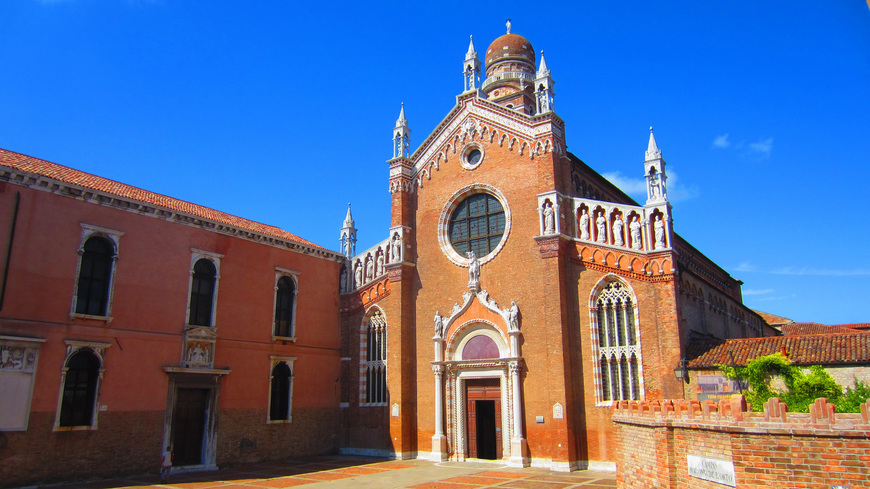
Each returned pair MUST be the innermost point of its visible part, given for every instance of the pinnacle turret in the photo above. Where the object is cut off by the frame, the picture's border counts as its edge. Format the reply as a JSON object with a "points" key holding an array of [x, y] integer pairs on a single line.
{"points": [[348, 235], [654, 168], [401, 136]]}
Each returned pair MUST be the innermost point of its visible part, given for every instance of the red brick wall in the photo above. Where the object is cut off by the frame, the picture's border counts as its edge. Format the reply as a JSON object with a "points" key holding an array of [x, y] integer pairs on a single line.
{"points": [[767, 450]]}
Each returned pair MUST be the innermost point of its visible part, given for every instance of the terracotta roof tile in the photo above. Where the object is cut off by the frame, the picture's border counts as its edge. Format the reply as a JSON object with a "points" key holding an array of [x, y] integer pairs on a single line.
{"points": [[821, 349], [72, 176], [815, 328]]}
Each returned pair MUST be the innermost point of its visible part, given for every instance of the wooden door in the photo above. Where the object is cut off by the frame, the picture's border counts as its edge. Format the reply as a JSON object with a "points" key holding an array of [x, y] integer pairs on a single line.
{"points": [[188, 425], [483, 418]]}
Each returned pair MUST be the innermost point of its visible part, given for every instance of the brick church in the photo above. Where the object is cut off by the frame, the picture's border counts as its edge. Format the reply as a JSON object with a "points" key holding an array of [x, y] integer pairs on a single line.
{"points": [[516, 296]]}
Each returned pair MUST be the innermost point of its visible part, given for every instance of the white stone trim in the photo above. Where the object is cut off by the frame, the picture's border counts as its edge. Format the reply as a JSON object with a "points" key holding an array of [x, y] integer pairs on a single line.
{"points": [[114, 237], [447, 212], [18, 360], [463, 157], [98, 348], [294, 276], [215, 259], [274, 360]]}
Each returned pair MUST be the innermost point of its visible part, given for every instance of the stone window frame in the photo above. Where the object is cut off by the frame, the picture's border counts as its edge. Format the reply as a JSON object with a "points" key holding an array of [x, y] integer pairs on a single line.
{"points": [[215, 259], [25, 366], [114, 238], [458, 197], [628, 350], [294, 276], [463, 156], [366, 364], [98, 349], [274, 361]]}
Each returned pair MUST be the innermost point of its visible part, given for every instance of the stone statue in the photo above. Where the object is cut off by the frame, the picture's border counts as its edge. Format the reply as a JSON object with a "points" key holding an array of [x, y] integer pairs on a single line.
{"points": [[439, 324], [369, 268], [379, 269], [636, 240], [513, 317], [617, 231], [660, 232], [343, 279], [549, 220], [358, 275], [397, 248], [473, 271], [601, 222], [584, 225]]}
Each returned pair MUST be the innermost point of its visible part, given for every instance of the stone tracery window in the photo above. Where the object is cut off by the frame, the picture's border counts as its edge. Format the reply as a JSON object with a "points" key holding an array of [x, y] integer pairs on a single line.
{"points": [[375, 365], [477, 224], [618, 345]]}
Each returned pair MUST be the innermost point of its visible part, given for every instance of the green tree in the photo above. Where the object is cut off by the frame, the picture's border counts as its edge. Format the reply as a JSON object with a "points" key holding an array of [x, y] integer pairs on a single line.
{"points": [[801, 388]]}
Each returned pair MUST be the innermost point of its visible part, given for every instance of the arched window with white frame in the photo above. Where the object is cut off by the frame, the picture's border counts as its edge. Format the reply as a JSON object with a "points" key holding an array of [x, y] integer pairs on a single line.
{"points": [[616, 342], [373, 356]]}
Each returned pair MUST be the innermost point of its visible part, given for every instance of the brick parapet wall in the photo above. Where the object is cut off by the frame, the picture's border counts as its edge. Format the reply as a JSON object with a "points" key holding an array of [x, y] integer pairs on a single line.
{"points": [[812, 450]]}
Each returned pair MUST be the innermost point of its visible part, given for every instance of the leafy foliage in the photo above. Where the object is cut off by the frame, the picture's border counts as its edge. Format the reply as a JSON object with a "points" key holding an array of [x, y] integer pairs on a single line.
{"points": [[801, 388]]}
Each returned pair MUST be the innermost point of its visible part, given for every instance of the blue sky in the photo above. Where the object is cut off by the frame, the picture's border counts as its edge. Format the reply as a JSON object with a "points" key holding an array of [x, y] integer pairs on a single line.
{"points": [[282, 112]]}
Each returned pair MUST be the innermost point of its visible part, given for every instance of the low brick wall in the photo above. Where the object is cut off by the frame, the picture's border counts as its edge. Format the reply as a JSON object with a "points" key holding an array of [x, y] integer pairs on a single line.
{"points": [[660, 442]]}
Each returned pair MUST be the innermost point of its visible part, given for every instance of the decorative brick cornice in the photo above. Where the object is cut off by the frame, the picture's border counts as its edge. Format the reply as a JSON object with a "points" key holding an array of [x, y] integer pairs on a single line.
{"points": [[549, 247], [363, 298]]}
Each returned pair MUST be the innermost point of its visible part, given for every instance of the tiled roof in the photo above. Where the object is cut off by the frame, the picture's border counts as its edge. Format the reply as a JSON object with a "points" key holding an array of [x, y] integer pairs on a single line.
{"points": [[72, 176], [815, 328], [773, 319], [826, 349]]}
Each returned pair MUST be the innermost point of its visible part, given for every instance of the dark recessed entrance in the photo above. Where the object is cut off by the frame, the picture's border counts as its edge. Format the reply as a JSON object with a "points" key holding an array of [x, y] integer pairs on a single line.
{"points": [[188, 425], [483, 414]]}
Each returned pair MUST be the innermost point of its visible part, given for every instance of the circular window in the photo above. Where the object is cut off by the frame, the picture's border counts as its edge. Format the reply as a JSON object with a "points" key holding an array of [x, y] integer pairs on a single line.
{"points": [[476, 219], [472, 156]]}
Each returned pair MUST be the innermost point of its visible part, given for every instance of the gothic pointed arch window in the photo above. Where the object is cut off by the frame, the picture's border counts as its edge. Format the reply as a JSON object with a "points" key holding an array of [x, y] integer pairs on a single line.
{"points": [[374, 360], [616, 340]]}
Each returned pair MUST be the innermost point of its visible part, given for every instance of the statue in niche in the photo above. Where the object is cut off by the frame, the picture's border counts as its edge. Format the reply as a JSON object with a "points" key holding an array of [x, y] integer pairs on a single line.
{"points": [[358, 277], [473, 271], [439, 324], [513, 317], [343, 279], [549, 219], [617, 230], [660, 232], [601, 223], [654, 184], [369, 268], [635, 233], [584, 225], [397, 248], [379, 269]]}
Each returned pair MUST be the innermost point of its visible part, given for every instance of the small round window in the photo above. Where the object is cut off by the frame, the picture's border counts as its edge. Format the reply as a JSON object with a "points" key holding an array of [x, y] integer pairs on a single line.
{"points": [[477, 224], [472, 156]]}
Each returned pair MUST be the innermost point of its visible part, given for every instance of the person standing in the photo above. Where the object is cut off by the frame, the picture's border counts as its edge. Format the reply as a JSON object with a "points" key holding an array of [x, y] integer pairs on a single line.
{"points": [[166, 465]]}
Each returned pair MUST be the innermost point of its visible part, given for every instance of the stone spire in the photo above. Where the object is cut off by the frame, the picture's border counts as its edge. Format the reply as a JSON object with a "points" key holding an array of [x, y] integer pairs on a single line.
{"points": [[348, 235], [654, 169], [401, 136], [544, 93], [471, 68]]}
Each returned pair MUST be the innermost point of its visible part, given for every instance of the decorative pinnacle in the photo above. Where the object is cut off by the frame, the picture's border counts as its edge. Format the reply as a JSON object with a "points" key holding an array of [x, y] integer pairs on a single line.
{"points": [[652, 152], [348, 221], [402, 121], [472, 53], [508, 24], [543, 70]]}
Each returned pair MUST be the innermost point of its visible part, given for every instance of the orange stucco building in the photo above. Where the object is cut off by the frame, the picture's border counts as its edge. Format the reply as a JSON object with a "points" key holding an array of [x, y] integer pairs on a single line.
{"points": [[516, 297]]}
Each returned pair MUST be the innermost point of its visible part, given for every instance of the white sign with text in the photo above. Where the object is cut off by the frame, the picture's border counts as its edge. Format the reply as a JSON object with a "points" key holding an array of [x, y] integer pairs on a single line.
{"points": [[712, 469]]}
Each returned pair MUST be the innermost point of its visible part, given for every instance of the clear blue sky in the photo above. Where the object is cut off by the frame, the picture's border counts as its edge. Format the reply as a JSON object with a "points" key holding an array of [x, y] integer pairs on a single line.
{"points": [[282, 112]]}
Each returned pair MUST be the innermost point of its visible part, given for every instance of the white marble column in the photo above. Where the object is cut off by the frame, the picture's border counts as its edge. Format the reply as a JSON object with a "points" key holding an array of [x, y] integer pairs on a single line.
{"points": [[519, 447], [439, 441]]}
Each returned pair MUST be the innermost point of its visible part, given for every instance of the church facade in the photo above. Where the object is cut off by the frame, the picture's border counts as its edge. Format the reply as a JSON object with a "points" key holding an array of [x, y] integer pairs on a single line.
{"points": [[516, 298], [519, 295]]}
